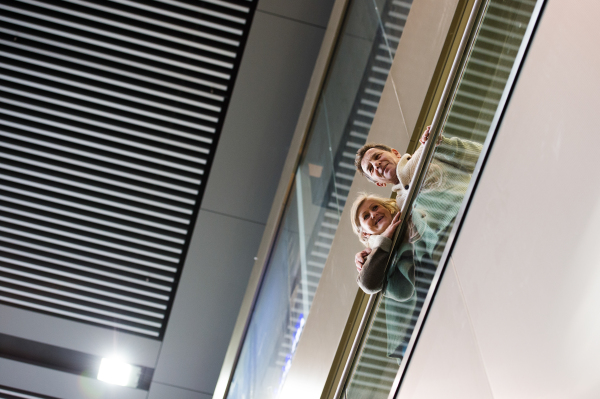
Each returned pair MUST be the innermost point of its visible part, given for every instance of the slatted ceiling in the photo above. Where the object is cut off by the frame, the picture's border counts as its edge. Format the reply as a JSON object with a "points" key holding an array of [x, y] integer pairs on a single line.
{"points": [[110, 116], [127, 33], [13, 393]]}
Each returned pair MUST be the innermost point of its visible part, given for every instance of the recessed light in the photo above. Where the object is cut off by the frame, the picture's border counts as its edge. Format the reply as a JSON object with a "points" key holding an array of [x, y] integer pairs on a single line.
{"points": [[115, 371]]}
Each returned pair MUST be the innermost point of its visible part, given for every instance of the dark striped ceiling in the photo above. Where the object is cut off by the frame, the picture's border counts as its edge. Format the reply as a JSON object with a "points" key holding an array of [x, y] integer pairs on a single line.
{"points": [[109, 119]]}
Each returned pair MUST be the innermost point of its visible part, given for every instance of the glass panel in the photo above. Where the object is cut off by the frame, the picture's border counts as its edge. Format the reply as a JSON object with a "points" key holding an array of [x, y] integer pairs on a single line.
{"points": [[343, 117], [414, 261]]}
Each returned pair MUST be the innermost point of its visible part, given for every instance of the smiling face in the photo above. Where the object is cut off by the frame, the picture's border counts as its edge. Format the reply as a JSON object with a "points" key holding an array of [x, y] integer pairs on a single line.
{"points": [[380, 166], [373, 217]]}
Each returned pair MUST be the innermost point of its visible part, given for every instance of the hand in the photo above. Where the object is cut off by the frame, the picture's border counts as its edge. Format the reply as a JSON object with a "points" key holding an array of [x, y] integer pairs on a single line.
{"points": [[361, 257], [425, 136], [389, 232]]}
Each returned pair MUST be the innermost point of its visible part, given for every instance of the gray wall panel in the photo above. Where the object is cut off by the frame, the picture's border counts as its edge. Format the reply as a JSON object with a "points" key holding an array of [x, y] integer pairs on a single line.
{"points": [[161, 391], [210, 292], [276, 68], [314, 12]]}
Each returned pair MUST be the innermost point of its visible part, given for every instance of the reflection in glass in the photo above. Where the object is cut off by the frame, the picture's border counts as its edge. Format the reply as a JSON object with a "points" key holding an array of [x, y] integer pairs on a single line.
{"points": [[342, 119], [467, 123]]}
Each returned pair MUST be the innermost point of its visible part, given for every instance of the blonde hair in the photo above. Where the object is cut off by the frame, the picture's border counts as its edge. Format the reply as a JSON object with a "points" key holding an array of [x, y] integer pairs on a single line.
{"points": [[388, 203]]}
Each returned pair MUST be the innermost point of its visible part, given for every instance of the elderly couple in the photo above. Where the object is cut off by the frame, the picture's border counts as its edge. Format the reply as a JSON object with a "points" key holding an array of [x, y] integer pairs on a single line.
{"points": [[375, 219]]}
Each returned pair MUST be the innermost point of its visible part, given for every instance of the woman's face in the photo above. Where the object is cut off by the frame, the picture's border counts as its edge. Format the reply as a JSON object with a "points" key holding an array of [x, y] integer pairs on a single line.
{"points": [[374, 218]]}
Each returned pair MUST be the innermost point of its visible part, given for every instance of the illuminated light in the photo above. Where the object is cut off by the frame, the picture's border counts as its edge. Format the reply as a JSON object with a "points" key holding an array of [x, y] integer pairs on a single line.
{"points": [[117, 372]]}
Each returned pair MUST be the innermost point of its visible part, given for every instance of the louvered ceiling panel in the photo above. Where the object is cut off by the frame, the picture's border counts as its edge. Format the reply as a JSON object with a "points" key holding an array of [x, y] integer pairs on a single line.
{"points": [[13, 393], [111, 111]]}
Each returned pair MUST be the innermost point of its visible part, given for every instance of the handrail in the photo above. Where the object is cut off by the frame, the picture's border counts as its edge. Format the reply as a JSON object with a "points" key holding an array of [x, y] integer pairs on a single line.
{"points": [[355, 345], [427, 154], [416, 181]]}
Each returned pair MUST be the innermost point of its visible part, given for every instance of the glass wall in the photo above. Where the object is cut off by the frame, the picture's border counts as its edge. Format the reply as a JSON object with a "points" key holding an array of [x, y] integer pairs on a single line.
{"points": [[468, 118], [350, 96]]}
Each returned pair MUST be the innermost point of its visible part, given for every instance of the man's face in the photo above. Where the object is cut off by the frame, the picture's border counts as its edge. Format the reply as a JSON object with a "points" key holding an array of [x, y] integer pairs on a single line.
{"points": [[380, 166]]}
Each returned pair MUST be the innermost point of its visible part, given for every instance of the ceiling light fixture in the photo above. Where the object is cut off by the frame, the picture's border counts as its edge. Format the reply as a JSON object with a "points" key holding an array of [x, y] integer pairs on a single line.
{"points": [[115, 371]]}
